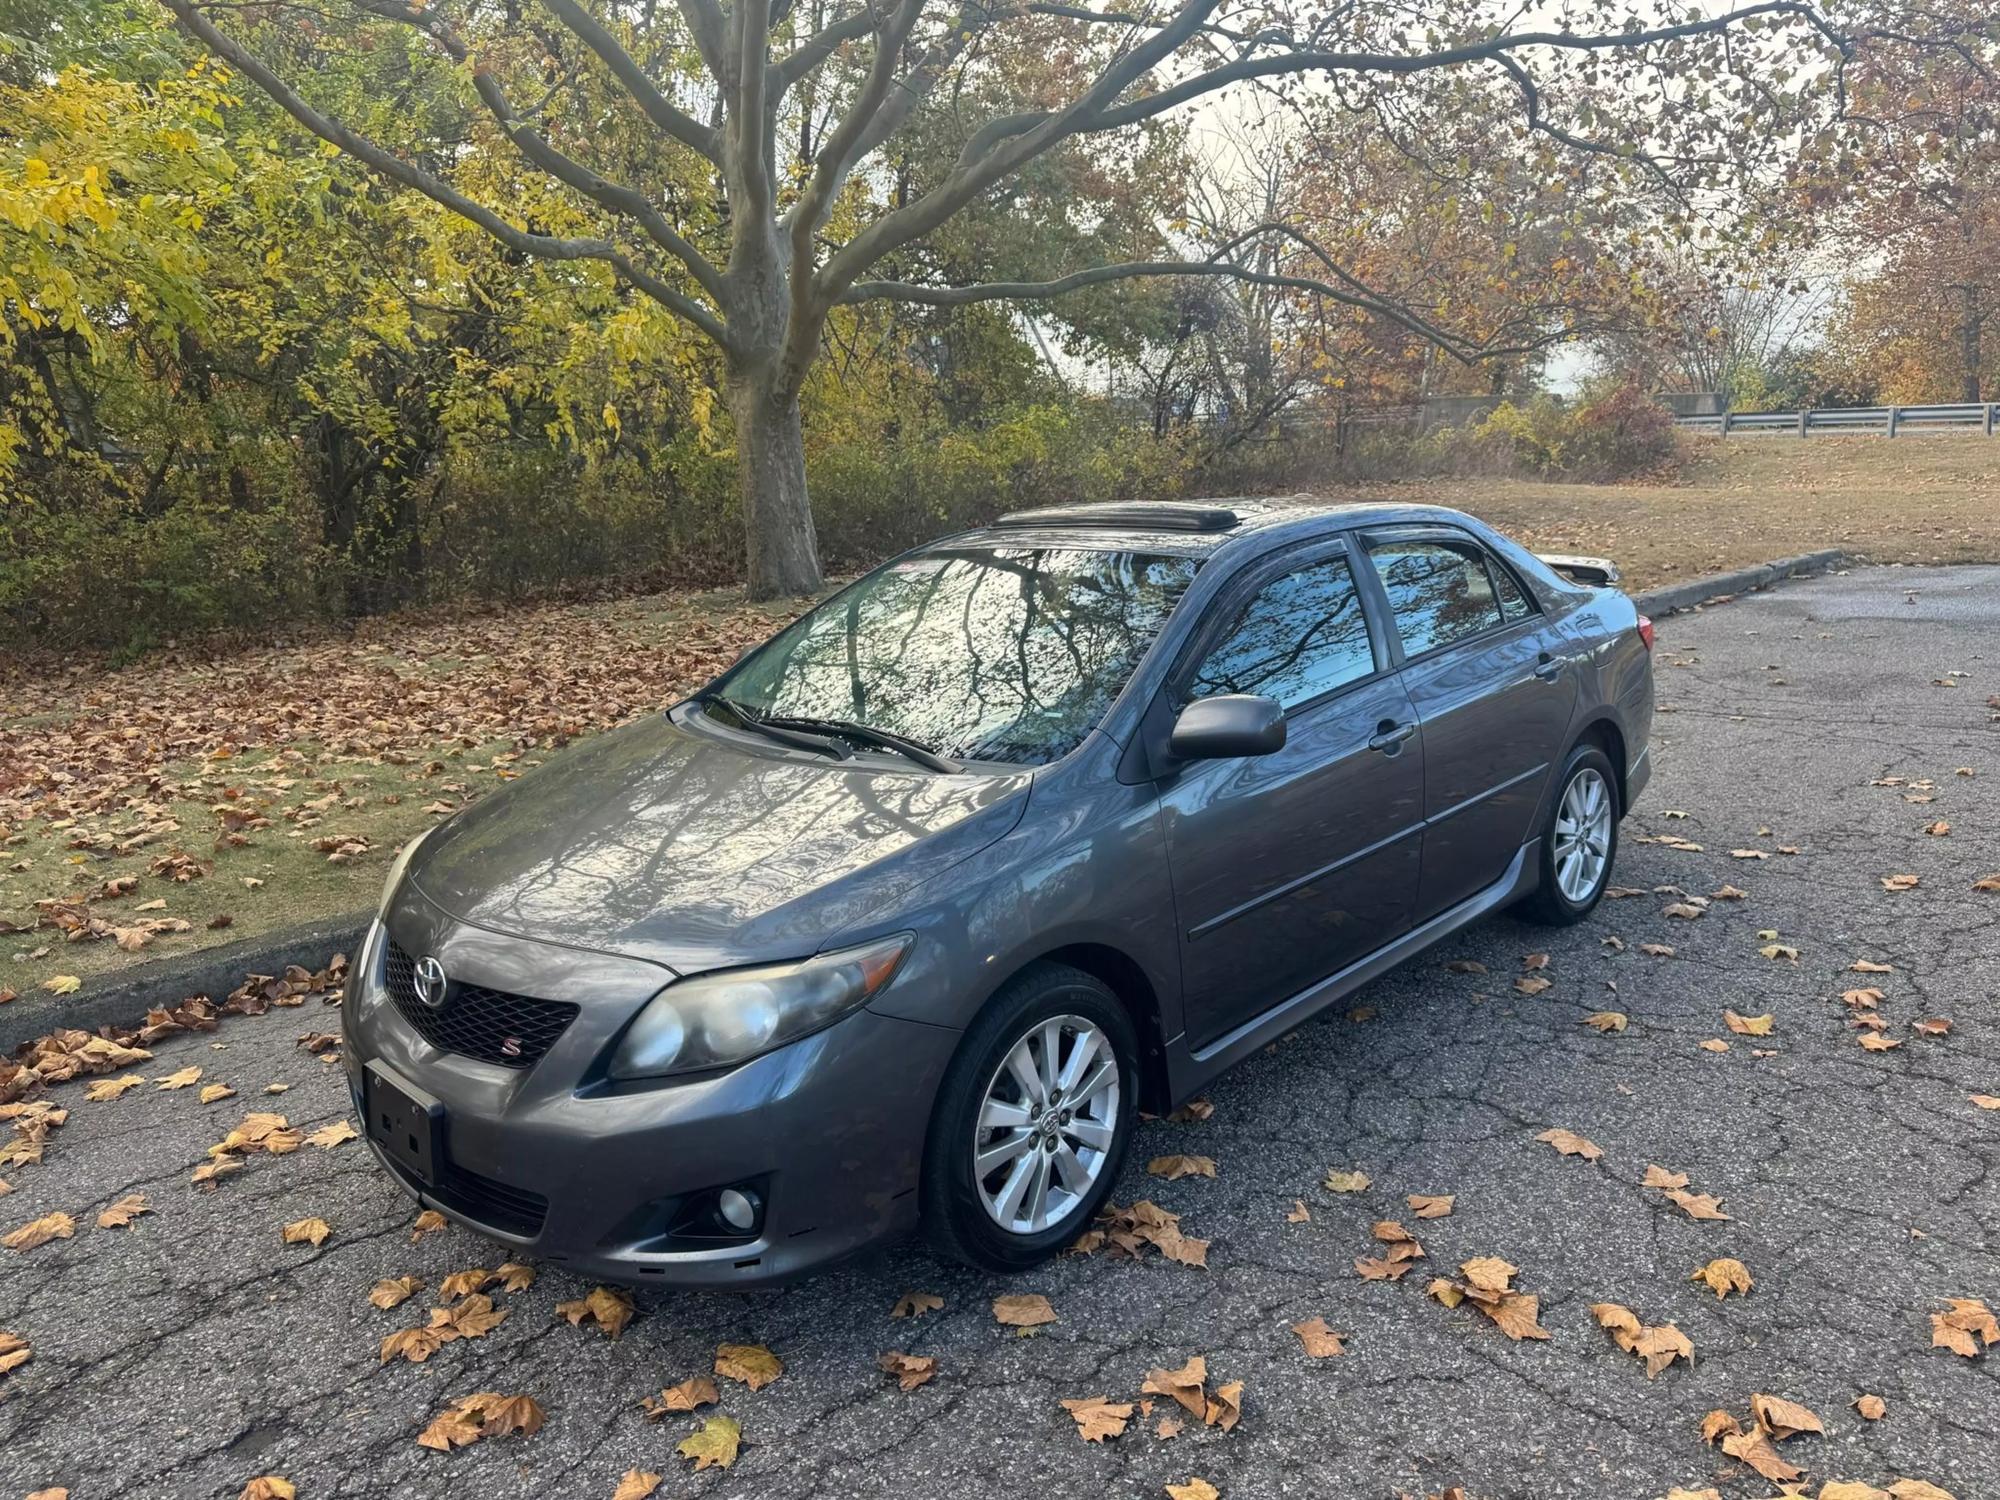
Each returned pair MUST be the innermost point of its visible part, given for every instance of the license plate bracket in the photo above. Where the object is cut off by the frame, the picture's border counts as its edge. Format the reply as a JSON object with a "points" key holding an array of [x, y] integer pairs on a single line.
{"points": [[406, 1123]]}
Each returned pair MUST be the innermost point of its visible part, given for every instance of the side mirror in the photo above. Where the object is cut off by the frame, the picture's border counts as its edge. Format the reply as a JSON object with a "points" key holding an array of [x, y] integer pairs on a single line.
{"points": [[1228, 726]]}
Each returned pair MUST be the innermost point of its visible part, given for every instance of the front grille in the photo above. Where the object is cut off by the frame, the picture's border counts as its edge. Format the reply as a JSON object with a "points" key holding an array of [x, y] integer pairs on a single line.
{"points": [[510, 1210], [490, 1025]]}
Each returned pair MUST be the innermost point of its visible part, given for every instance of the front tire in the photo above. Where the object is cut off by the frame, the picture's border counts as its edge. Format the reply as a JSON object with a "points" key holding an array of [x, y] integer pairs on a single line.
{"points": [[1579, 841], [1032, 1121]]}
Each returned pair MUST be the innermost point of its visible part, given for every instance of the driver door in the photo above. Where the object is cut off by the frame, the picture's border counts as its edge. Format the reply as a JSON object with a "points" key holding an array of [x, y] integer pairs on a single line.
{"points": [[1290, 866]]}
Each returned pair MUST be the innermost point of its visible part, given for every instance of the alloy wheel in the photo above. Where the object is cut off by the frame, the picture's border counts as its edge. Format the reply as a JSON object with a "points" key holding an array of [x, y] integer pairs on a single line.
{"points": [[1583, 835], [1047, 1121]]}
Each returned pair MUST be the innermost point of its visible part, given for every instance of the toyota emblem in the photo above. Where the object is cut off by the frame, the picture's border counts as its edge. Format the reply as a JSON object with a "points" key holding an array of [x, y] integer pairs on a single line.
{"points": [[432, 985]]}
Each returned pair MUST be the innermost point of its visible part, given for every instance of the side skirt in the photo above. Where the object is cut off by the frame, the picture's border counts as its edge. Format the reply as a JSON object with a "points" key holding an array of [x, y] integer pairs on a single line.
{"points": [[1187, 1070]]}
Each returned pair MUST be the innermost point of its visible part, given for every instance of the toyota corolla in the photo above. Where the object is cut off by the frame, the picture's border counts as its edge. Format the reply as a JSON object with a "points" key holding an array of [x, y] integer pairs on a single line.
{"points": [[904, 918]]}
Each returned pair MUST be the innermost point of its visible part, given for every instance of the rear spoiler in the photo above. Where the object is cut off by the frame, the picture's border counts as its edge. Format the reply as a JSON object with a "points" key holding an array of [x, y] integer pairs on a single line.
{"points": [[1599, 572]]}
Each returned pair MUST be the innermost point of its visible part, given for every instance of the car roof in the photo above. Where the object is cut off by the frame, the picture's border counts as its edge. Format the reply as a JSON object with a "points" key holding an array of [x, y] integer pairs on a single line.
{"points": [[1195, 528]]}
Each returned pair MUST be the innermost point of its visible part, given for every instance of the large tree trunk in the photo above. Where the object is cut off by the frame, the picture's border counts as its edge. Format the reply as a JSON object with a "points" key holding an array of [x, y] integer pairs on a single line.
{"points": [[771, 468]]}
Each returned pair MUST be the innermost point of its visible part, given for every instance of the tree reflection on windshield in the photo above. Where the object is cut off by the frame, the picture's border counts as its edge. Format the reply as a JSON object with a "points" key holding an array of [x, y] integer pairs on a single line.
{"points": [[989, 653]]}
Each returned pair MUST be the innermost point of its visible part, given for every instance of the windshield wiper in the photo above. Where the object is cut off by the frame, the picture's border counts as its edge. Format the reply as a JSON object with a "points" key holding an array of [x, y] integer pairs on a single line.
{"points": [[784, 734], [868, 734]]}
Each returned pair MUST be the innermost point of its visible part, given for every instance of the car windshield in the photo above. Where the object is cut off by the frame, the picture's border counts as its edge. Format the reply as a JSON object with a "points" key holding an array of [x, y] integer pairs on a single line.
{"points": [[979, 653]]}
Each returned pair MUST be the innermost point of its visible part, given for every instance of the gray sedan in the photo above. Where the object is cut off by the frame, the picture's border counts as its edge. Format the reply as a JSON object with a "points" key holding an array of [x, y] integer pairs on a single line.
{"points": [[903, 918]]}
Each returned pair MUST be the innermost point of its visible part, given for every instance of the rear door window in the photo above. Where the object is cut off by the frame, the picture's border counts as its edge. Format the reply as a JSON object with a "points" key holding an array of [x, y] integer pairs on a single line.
{"points": [[1439, 591]]}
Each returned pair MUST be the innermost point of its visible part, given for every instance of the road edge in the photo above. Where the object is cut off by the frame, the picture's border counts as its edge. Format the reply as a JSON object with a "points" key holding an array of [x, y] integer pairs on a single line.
{"points": [[124, 997], [1675, 597]]}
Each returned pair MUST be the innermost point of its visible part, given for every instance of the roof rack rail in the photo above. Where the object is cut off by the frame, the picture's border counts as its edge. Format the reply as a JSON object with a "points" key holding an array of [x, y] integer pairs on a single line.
{"points": [[1161, 515]]}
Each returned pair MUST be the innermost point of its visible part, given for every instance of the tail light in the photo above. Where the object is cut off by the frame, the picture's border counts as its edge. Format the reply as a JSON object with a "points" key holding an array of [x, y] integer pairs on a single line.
{"points": [[1646, 631]]}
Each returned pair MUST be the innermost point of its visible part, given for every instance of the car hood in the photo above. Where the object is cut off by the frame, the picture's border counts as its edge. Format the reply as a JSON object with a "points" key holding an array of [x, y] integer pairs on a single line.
{"points": [[693, 849]]}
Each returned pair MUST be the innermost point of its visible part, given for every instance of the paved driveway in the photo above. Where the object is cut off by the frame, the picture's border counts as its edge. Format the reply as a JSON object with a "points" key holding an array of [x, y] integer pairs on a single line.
{"points": [[193, 1350]]}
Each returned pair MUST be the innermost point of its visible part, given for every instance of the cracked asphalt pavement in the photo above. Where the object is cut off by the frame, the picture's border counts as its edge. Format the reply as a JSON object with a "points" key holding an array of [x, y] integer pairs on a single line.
{"points": [[187, 1353]]}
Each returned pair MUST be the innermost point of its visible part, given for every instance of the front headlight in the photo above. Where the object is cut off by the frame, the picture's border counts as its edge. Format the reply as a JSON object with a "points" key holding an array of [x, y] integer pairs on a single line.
{"points": [[396, 868], [714, 1020]]}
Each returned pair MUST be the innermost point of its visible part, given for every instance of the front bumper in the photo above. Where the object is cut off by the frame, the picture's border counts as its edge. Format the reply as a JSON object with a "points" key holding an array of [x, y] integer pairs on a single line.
{"points": [[830, 1129]]}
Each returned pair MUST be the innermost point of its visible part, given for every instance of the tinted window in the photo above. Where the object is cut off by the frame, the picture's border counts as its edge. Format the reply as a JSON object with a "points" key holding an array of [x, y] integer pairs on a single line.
{"points": [[1440, 592], [1299, 636], [1513, 603], [994, 653]]}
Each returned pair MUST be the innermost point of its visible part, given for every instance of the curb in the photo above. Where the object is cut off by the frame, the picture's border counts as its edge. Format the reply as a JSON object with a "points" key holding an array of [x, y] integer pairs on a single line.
{"points": [[1679, 596], [124, 997]]}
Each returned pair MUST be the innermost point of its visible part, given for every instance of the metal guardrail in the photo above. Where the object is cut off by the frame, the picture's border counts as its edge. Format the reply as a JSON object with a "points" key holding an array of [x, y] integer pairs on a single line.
{"points": [[1888, 421]]}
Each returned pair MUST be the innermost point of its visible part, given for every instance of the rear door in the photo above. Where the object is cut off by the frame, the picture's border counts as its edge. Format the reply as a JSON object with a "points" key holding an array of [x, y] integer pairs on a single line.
{"points": [[1493, 690], [1287, 867]]}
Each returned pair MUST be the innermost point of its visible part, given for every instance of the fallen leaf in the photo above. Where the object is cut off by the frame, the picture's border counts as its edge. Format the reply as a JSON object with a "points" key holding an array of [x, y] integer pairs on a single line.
{"points": [[487, 1414], [1320, 1341], [1724, 1276], [182, 1079], [1902, 1489], [515, 1277], [1658, 1346], [1569, 1143], [1900, 882], [1187, 1385], [715, 1445], [1748, 1025], [1967, 1327], [1175, 1167], [611, 1308], [1936, 1026], [752, 1364], [1748, 854], [393, 1291], [1875, 1042], [1872, 1408], [1939, 829], [1466, 966], [1607, 1020], [307, 1232], [910, 1370], [1657, 950], [1535, 961], [269, 1487], [1714, 1044], [1754, 1448], [121, 1214], [1869, 966], [1780, 950], [103, 1089], [1300, 1214], [1727, 892], [636, 1484], [56, 1226], [1660, 1177], [427, 1222], [1782, 1418], [695, 1391], [1346, 1182], [1683, 911], [1193, 1111], [1194, 1489], [62, 984], [14, 1352], [1023, 1310], [1532, 984], [1225, 1407], [1098, 1417], [1985, 1101], [329, 1136], [1428, 1206], [1516, 1314], [1866, 999], [1716, 1424], [1698, 1205], [212, 1093], [916, 1304]]}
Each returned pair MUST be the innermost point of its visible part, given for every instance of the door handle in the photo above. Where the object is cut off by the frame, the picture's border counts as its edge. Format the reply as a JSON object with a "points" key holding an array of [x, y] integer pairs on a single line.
{"points": [[1389, 736], [1549, 668]]}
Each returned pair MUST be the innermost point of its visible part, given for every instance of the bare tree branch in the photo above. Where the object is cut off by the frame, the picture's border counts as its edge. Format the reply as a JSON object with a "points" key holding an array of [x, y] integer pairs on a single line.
{"points": [[661, 110], [409, 175], [532, 144], [816, 49]]}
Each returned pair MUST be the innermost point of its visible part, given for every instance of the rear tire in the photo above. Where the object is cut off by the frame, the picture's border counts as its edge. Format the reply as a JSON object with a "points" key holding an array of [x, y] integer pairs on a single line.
{"points": [[1032, 1121], [1579, 841]]}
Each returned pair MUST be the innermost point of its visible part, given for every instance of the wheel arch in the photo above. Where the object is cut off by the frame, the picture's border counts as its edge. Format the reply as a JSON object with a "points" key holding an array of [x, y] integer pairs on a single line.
{"points": [[1120, 973], [1603, 732]]}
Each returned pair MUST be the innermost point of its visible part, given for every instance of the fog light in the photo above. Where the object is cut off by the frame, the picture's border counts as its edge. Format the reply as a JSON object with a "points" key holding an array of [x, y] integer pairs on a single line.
{"points": [[738, 1208]]}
